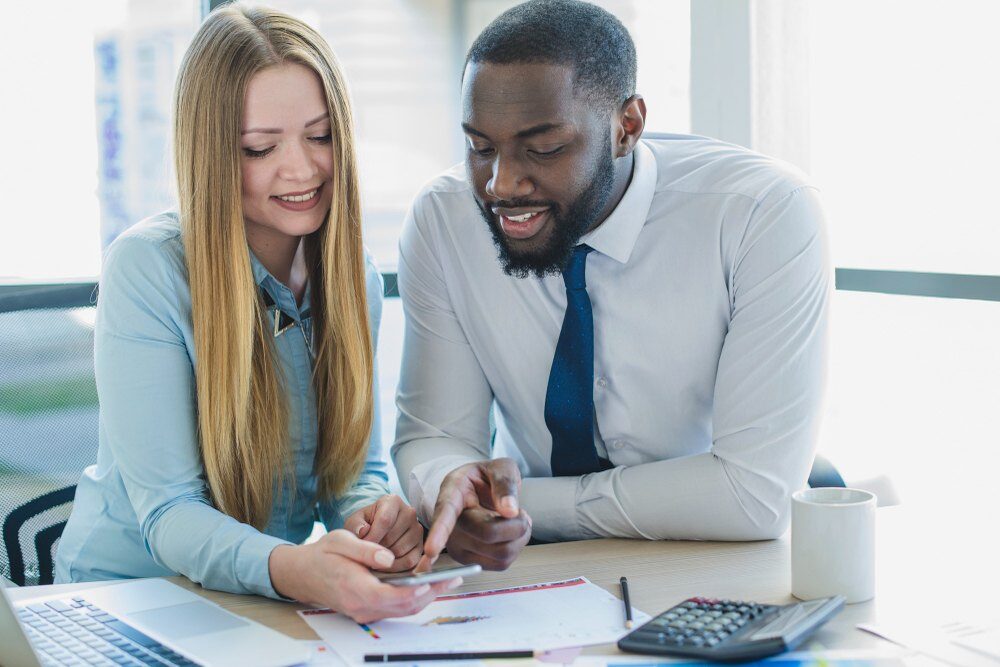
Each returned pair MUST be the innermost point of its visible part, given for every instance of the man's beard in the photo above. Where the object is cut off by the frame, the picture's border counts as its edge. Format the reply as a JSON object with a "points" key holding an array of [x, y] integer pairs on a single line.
{"points": [[567, 226]]}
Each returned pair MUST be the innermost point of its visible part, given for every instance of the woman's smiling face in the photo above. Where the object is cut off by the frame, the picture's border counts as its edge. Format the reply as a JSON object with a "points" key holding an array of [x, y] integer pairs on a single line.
{"points": [[287, 159]]}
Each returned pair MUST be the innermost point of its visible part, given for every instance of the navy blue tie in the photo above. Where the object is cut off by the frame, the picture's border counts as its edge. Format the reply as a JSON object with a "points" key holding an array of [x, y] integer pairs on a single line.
{"points": [[569, 400]]}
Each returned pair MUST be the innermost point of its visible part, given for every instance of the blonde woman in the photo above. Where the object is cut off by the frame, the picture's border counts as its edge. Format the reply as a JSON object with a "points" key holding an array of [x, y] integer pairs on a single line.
{"points": [[235, 348]]}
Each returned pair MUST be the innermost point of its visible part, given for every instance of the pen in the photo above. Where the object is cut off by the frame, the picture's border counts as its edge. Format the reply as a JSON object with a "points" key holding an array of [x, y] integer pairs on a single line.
{"points": [[416, 657], [628, 604]]}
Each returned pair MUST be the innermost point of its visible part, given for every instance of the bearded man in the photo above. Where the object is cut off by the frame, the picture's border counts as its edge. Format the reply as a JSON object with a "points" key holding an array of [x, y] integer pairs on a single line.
{"points": [[644, 319]]}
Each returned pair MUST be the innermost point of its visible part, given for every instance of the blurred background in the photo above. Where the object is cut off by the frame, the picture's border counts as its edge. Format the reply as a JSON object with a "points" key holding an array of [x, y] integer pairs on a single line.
{"points": [[892, 107]]}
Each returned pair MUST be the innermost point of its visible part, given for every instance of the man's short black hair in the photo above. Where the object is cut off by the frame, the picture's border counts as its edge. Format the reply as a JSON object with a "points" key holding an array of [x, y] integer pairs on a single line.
{"points": [[565, 32]]}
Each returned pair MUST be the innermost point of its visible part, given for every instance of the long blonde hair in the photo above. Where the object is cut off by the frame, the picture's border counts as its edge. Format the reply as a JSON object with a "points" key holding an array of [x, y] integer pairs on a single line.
{"points": [[242, 406]]}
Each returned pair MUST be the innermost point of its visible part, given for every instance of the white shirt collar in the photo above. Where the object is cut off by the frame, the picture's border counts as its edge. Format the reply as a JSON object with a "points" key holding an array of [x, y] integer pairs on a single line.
{"points": [[617, 235]]}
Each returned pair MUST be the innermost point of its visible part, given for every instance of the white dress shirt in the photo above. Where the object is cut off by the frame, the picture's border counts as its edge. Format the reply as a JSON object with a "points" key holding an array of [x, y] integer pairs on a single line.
{"points": [[709, 284]]}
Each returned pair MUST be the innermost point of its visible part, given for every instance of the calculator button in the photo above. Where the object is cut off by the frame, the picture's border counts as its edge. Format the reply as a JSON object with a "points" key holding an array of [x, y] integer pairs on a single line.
{"points": [[732, 627], [696, 641], [713, 627], [711, 641]]}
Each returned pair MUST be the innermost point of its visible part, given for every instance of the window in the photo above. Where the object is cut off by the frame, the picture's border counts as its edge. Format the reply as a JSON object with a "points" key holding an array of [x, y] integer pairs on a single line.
{"points": [[88, 139], [903, 137]]}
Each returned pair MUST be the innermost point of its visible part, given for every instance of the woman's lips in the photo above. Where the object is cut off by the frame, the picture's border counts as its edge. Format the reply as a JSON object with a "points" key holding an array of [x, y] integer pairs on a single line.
{"points": [[303, 202]]}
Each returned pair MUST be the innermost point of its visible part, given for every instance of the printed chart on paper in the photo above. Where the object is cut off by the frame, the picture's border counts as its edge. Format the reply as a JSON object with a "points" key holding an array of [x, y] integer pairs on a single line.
{"points": [[544, 616]]}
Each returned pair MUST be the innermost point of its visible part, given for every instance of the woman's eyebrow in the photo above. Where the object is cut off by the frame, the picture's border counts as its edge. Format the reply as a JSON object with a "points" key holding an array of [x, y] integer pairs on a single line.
{"points": [[276, 130]]}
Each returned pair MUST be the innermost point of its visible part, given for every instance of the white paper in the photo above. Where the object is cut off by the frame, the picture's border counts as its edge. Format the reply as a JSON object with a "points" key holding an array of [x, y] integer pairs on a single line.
{"points": [[538, 617], [949, 643], [320, 653]]}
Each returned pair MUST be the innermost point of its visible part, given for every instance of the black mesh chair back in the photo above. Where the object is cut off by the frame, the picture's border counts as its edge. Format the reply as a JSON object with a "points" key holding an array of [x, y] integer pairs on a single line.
{"points": [[48, 420]]}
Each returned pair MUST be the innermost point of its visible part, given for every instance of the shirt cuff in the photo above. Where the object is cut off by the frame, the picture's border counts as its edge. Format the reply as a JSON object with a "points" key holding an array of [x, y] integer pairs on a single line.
{"points": [[252, 563], [551, 502], [425, 483]]}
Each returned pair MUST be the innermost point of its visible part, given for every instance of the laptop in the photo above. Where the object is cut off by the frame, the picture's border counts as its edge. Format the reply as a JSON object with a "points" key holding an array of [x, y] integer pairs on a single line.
{"points": [[136, 623]]}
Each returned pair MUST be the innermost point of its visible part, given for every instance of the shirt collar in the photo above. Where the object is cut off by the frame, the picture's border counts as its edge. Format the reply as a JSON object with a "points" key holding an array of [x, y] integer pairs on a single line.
{"points": [[617, 235], [279, 293]]}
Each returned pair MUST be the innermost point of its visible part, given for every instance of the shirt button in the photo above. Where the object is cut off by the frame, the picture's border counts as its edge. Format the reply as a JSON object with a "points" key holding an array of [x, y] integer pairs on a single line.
{"points": [[618, 444], [602, 383]]}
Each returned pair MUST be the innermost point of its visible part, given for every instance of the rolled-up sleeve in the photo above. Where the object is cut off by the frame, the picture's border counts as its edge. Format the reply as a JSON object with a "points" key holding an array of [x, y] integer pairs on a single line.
{"points": [[145, 382]]}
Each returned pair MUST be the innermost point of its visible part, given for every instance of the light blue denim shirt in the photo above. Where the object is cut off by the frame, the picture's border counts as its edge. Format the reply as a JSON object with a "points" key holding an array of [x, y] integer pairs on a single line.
{"points": [[143, 510]]}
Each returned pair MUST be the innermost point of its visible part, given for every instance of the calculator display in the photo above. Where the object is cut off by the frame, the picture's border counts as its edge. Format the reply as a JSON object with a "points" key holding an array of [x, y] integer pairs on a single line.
{"points": [[789, 618]]}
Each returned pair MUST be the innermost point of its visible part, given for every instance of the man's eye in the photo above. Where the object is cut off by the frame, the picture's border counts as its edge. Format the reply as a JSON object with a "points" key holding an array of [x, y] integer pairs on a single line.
{"points": [[554, 151], [249, 152], [481, 151]]}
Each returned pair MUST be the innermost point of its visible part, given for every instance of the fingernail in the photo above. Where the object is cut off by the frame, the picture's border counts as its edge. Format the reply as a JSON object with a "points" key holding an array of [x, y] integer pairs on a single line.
{"points": [[362, 528], [384, 558], [454, 583], [420, 590], [510, 502]]}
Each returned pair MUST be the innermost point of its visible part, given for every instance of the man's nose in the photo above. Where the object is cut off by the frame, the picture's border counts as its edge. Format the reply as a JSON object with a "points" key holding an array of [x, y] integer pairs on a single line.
{"points": [[509, 181]]}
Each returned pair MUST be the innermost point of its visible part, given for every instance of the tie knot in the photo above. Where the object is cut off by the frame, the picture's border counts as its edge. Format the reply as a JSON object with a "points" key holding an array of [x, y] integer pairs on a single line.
{"points": [[575, 273]]}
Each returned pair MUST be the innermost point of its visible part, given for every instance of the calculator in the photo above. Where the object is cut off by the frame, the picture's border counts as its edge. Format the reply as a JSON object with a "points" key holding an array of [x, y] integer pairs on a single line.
{"points": [[730, 630]]}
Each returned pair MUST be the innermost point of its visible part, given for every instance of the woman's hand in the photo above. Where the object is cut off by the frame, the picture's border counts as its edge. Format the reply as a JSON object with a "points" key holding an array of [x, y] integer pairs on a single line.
{"points": [[335, 572], [389, 521]]}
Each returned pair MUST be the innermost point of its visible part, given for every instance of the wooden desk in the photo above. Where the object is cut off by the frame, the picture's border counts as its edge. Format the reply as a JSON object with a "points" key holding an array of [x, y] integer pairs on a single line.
{"points": [[662, 574]]}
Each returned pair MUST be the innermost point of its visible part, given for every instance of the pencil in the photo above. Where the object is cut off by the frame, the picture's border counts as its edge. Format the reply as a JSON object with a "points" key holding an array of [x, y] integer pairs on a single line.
{"points": [[475, 655], [628, 604]]}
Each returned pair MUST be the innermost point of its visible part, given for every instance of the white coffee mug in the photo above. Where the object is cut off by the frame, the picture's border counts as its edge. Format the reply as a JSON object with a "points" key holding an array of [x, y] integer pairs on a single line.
{"points": [[833, 544]]}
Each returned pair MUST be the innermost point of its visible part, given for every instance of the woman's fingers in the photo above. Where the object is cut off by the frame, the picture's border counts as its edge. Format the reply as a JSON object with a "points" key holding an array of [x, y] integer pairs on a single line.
{"points": [[343, 543], [387, 509], [408, 600], [406, 523], [408, 548], [356, 524]]}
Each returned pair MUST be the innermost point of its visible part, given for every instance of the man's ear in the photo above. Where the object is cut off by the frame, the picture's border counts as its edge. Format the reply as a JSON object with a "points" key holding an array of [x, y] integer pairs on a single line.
{"points": [[629, 122]]}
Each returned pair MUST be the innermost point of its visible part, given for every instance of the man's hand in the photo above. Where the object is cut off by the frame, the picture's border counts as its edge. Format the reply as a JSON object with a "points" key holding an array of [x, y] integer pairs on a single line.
{"points": [[389, 521], [477, 516]]}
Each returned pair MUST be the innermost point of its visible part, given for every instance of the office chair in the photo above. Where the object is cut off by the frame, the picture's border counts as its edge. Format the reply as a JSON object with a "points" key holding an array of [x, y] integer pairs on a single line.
{"points": [[48, 420]]}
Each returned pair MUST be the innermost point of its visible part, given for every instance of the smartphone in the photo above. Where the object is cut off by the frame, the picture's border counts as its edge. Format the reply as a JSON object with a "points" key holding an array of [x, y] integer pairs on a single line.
{"points": [[435, 575]]}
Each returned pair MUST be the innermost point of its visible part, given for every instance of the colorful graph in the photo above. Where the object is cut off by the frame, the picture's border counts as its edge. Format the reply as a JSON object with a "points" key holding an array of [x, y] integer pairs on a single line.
{"points": [[453, 620], [369, 631]]}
